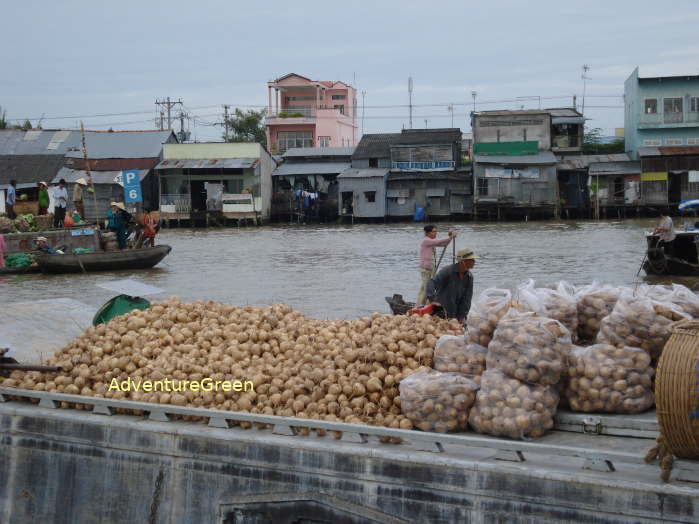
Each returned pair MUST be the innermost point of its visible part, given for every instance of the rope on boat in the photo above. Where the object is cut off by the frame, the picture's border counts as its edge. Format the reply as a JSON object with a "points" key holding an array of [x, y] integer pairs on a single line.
{"points": [[662, 452]]}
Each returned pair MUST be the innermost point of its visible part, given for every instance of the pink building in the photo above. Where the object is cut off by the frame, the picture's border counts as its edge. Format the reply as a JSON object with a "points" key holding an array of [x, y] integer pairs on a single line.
{"points": [[310, 113]]}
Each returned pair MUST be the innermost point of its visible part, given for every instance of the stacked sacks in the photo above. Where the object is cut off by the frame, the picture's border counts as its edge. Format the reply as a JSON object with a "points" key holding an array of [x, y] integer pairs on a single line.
{"points": [[559, 303], [485, 313], [454, 354], [681, 296], [435, 401], [595, 302], [526, 360], [639, 321], [609, 379]]}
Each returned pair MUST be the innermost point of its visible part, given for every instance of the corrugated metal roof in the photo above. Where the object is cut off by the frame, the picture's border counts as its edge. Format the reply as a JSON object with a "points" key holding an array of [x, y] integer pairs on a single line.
{"points": [[207, 163], [318, 151], [544, 157], [311, 168], [29, 169], [428, 136], [371, 172], [98, 177], [583, 161], [631, 167], [375, 146], [504, 112], [100, 144], [123, 144], [567, 120], [563, 112], [668, 150]]}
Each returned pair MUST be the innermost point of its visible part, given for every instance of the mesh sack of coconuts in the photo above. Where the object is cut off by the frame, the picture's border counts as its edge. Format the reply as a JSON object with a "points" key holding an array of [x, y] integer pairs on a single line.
{"points": [[595, 302], [335, 370], [436, 401], [454, 354], [681, 296], [609, 379], [640, 321], [485, 313], [507, 407], [558, 303]]}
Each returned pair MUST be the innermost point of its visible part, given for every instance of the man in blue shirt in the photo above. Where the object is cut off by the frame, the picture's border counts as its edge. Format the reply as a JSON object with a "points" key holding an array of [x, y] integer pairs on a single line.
{"points": [[43, 245], [10, 199]]}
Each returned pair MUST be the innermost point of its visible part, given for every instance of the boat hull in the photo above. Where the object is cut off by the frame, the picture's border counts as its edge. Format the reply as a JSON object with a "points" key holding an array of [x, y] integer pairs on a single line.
{"points": [[679, 258], [144, 258]]}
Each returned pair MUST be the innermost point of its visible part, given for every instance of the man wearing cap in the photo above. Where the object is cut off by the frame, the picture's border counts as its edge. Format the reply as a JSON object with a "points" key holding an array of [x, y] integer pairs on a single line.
{"points": [[44, 200], [42, 245], [78, 197], [60, 197], [452, 287]]}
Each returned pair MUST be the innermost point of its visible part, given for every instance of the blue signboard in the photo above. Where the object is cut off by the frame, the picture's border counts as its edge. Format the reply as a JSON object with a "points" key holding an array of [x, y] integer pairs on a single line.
{"points": [[132, 186]]}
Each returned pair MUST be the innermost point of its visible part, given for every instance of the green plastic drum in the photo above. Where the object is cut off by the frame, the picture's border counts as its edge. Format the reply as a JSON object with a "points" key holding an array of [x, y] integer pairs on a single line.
{"points": [[119, 305]]}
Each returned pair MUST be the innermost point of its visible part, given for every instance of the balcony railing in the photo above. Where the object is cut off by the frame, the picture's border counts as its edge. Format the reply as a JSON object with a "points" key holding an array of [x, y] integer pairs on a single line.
{"points": [[175, 203], [423, 166], [651, 119], [567, 141]]}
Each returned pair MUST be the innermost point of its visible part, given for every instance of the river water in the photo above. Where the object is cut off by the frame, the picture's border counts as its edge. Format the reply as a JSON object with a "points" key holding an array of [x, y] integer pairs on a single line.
{"points": [[343, 271]]}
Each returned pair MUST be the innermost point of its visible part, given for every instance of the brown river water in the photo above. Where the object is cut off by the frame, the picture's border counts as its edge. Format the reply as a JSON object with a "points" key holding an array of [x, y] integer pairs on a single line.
{"points": [[343, 271]]}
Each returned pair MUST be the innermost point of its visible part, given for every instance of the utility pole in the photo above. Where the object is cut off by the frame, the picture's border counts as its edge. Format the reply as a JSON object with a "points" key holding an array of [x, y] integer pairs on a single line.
{"points": [[168, 104], [450, 108], [473, 94], [363, 100], [225, 122], [585, 69], [410, 102], [89, 174]]}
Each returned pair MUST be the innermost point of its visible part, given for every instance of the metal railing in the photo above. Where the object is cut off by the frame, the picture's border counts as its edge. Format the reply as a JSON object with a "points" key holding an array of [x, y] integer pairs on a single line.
{"points": [[505, 449], [175, 203]]}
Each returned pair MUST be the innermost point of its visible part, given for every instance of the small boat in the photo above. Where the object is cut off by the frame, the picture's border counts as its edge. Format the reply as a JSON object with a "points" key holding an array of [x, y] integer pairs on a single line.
{"points": [[680, 259], [143, 258], [398, 305]]}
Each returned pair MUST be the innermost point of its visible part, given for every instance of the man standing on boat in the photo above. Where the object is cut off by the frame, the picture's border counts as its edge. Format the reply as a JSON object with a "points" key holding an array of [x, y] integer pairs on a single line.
{"points": [[428, 259], [78, 197], [452, 287], [10, 199], [666, 233], [60, 197]]}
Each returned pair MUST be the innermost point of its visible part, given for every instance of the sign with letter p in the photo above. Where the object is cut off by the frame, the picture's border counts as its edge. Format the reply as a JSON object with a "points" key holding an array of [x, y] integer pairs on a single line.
{"points": [[132, 186]]}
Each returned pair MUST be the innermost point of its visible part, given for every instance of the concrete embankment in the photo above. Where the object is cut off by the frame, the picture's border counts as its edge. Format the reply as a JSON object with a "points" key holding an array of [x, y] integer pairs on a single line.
{"points": [[68, 466]]}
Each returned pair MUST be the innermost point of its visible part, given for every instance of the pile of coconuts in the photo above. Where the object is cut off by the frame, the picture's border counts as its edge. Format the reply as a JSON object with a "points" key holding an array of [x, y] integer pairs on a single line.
{"points": [[332, 370]]}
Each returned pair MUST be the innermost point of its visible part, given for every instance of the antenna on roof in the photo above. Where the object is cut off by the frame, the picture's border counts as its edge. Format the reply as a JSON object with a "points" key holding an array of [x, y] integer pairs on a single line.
{"points": [[585, 69], [410, 102]]}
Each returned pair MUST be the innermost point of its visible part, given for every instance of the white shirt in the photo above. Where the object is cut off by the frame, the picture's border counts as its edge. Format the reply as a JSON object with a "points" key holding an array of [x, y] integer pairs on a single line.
{"points": [[60, 195]]}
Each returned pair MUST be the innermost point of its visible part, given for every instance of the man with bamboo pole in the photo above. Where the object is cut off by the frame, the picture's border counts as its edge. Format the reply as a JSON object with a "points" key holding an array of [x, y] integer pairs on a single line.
{"points": [[428, 259]]}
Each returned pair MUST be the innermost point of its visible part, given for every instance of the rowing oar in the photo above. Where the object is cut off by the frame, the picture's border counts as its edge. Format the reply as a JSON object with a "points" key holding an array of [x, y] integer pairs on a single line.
{"points": [[442, 255]]}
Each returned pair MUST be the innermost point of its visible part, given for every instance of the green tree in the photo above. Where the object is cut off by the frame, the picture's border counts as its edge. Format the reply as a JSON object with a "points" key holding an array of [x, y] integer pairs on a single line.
{"points": [[26, 126], [592, 143], [3, 119], [246, 126]]}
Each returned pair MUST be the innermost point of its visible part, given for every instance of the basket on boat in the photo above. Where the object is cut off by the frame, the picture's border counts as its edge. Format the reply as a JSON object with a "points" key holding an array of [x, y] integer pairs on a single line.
{"points": [[677, 390]]}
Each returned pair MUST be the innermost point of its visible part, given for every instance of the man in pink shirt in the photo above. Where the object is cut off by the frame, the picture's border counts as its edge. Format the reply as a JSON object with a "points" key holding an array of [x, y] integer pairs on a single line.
{"points": [[428, 259]]}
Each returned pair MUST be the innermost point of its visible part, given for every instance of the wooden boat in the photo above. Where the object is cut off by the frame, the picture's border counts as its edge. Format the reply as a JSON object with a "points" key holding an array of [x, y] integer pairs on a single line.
{"points": [[143, 258], [680, 258], [19, 270], [398, 305]]}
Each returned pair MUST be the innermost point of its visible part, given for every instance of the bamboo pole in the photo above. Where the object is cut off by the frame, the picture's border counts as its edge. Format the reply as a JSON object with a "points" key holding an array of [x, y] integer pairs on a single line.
{"points": [[89, 173]]}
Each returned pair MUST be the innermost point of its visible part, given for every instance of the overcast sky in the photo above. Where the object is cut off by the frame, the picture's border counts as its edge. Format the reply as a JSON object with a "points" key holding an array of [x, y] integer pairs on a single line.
{"points": [[81, 58]]}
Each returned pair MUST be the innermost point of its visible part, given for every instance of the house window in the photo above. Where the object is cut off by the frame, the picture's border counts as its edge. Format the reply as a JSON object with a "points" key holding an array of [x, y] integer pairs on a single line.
{"points": [[524, 134], [289, 139], [339, 97], [672, 109], [694, 104], [373, 162], [341, 107], [651, 106], [370, 196], [693, 141], [234, 185], [324, 141], [483, 186], [498, 131], [653, 142], [674, 141]]}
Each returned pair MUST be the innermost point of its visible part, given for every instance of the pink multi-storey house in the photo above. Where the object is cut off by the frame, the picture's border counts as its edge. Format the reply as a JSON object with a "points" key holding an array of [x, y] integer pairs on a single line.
{"points": [[310, 113]]}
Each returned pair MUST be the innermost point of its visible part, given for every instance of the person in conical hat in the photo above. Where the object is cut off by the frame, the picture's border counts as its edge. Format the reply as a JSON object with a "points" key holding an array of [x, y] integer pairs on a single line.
{"points": [[78, 197]]}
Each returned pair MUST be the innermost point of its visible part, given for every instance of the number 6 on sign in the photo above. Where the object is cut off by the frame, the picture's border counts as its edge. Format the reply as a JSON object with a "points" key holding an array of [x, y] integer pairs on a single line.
{"points": [[132, 186]]}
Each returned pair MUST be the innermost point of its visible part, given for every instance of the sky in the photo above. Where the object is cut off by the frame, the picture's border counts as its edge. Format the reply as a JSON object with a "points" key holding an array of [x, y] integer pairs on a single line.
{"points": [[106, 63]]}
